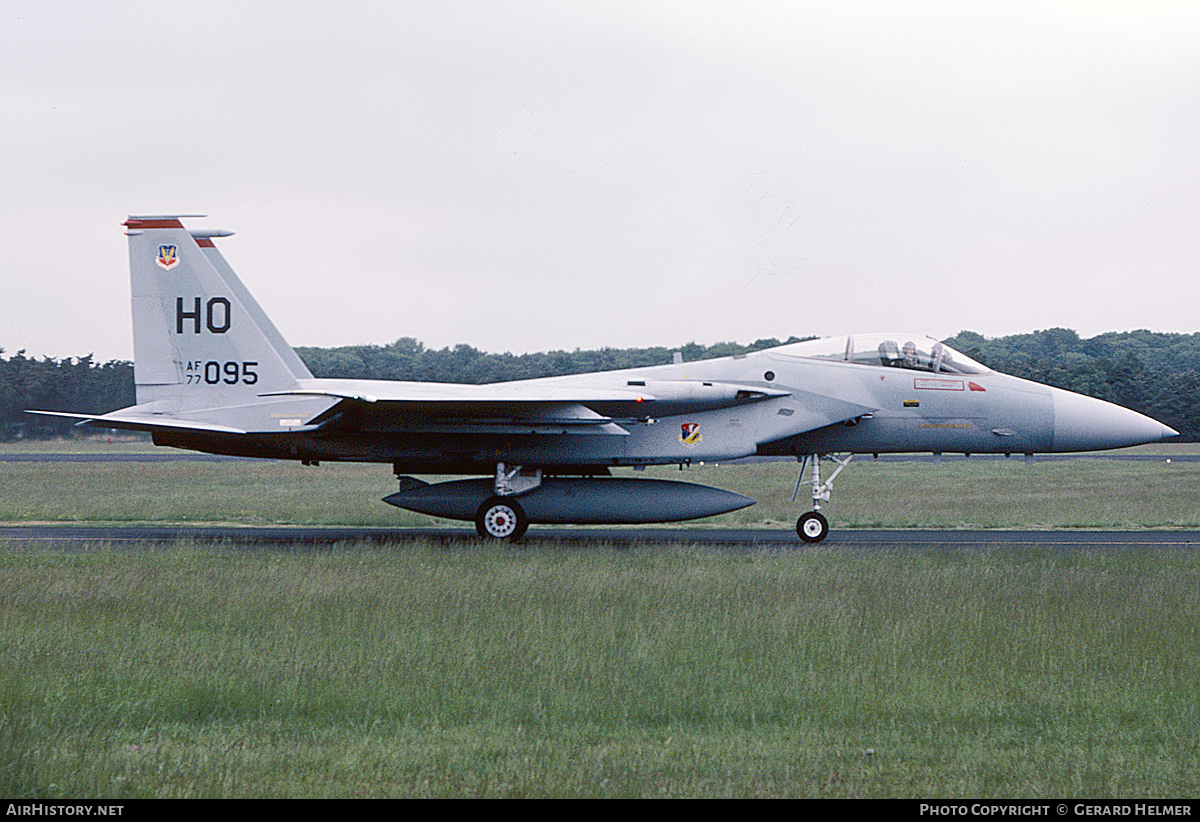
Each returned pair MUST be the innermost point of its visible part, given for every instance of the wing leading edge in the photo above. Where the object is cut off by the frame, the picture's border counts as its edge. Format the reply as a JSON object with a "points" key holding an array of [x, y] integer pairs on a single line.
{"points": [[417, 407], [490, 409]]}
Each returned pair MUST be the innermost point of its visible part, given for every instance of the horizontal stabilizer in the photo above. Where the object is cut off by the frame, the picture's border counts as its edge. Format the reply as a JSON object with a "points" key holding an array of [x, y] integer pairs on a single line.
{"points": [[138, 422]]}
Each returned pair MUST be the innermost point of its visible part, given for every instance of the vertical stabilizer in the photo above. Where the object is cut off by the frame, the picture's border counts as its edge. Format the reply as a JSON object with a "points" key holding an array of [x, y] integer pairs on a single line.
{"points": [[200, 340]]}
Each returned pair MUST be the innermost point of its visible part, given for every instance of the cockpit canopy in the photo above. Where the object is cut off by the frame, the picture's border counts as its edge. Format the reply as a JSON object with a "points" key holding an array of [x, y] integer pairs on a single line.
{"points": [[910, 351]]}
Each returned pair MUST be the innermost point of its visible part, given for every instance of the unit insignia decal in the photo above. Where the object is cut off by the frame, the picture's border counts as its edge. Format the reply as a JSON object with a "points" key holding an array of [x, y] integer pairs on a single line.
{"points": [[168, 256], [689, 433]]}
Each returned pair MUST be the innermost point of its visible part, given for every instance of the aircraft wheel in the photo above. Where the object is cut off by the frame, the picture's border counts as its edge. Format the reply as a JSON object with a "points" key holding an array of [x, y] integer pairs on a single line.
{"points": [[501, 518], [812, 527]]}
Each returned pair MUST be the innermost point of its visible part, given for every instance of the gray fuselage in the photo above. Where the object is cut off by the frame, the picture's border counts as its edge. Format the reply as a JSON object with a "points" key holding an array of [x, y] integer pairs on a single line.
{"points": [[877, 409]]}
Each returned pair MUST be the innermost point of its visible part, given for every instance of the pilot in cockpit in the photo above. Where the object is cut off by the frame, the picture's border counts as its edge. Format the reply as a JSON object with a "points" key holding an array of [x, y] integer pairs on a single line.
{"points": [[889, 353]]}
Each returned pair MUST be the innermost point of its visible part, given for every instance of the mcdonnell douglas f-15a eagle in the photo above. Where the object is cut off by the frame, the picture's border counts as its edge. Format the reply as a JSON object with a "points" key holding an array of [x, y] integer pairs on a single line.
{"points": [[213, 374]]}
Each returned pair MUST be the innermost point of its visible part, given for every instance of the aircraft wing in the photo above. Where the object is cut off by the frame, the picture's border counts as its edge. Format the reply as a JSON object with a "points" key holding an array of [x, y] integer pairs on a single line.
{"points": [[579, 407], [534, 406], [545, 404]]}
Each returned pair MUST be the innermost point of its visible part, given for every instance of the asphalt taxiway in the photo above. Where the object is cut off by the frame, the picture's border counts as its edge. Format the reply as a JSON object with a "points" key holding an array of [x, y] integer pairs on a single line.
{"points": [[66, 537]]}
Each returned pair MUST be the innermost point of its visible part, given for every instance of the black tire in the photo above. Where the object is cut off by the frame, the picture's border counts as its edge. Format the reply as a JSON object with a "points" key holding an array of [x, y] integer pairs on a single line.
{"points": [[501, 518], [812, 527]]}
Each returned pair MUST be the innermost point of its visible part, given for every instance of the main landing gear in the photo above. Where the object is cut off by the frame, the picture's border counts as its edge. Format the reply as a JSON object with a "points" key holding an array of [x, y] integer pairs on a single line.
{"points": [[812, 526], [501, 516]]}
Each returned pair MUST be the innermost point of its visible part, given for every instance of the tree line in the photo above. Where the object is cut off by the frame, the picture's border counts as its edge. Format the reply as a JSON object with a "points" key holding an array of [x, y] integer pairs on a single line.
{"points": [[76, 384], [409, 359], [1155, 373]]}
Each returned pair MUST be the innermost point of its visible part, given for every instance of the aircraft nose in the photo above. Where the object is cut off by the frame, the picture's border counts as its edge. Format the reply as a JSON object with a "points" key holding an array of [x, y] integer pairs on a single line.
{"points": [[1087, 424]]}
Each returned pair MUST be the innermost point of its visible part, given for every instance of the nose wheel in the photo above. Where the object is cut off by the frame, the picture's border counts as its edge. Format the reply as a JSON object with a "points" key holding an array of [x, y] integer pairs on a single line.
{"points": [[812, 527]]}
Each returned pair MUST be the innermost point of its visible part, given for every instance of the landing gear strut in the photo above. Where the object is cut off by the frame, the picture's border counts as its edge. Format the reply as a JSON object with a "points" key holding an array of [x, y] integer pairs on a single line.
{"points": [[501, 516], [812, 526]]}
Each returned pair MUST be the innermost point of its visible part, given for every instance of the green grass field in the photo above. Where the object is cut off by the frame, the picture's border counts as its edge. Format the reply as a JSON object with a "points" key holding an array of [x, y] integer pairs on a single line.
{"points": [[415, 669]]}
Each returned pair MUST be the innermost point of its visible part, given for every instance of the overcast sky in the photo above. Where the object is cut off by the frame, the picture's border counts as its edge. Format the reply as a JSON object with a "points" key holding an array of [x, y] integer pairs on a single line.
{"points": [[526, 176]]}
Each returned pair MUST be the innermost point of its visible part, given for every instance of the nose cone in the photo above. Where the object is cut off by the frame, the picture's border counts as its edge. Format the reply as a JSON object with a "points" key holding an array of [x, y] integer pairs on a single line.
{"points": [[1088, 424]]}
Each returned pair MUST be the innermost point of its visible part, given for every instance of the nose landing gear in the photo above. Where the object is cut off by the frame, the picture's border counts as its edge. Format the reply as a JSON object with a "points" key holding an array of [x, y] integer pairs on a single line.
{"points": [[812, 526]]}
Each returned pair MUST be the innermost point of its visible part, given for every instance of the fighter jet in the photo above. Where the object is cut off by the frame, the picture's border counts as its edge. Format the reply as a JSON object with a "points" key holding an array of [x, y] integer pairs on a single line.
{"points": [[213, 374]]}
